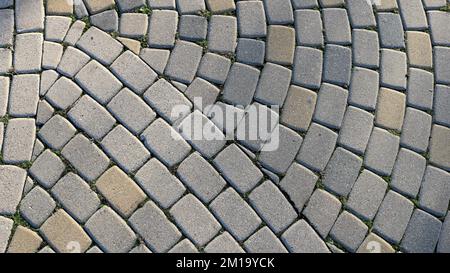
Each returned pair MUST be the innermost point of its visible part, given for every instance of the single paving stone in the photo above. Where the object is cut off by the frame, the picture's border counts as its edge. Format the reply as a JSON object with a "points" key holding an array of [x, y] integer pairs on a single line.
{"points": [[185, 246], [128, 5], [162, 28], [91, 117], [420, 89], [51, 56], [100, 45], [96, 6], [308, 27], [29, 15], [444, 243], [251, 19], [366, 195], [272, 206], [304, 4], [28, 52], [356, 129], [439, 147], [190, 6], [279, 158], [80, 10], [413, 14], [416, 130], [12, 180], [298, 177], [337, 65], [193, 27], [235, 214], [361, 14], [197, 223], [408, 173], [381, 152], [5, 61], [365, 47], [4, 95], [336, 26], [98, 82], [158, 183], [264, 241], [24, 240], [441, 68], [155, 58], [18, 142], [280, 45], [223, 243], [37, 206], [331, 104], [56, 28], [349, 231], [77, 198], [125, 149], [167, 101], [393, 69], [133, 72], [48, 78], [441, 105], [204, 181], [202, 94], [363, 90], [61, 231], [434, 193], [419, 50], [298, 108], [322, 210], [301, 238], [273, 84], [72, 61], [74, 33], [165, 143], [375, 244], [222, 33], [122, 192], [47, 169], [237, 169], [422, 233], [63, 93], [250, 51], [278, 12], [307, 67], [214, 68], [184, 61], [390, 110], [159, 233], [434, 4], [393, 217], [58, 7], [241, 84], [110, 232], [387, 5], [6, 27], [438, 20], [57, 132], [37, 150], [24, 95], [107, 20], [87, 158], [44, 113], [317, 147], [220, 6], [342, 171], [390, 29], [6, 226], [131, 111]]}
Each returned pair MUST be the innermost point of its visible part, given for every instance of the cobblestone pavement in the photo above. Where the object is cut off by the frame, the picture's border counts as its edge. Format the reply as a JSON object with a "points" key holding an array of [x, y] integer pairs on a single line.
{"points": [[87, 162]]}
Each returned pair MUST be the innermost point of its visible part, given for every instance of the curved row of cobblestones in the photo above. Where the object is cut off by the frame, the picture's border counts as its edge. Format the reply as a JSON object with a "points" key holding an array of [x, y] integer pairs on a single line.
{"points": [[89, 161]]}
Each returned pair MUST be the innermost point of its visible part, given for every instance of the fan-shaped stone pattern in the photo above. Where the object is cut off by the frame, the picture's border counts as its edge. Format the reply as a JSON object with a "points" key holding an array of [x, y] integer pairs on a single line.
{"points": [[99, 91]]}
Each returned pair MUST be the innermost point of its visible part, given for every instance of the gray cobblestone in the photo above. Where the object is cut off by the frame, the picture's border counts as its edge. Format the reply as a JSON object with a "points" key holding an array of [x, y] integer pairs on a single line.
{"points": [[155, 58], [193, 27], [408, 172], [365, 48], [28, 52], [224, 243], [51, 56], [416, 130], [441, 103], [56, 28], [349, 231], [184, 61], [390, 30], [12, 180], [63, 93], [29, 15], [241, 84], [420, 89], [308, 27], [356, 129], [19, 139], [434, 194], [251, 19], [74, 33], [322, 210], [393, 69], [264, 241], [107, 20], [273, 85], [441, 70], [4, 95], [162, 28], [24, 95], [100, 46], [298, 108], [6, 27], [37, 206], [214, 68], [330, 107], [422, 233], [381, 151], [72, 61], [47, 169], [336, 26], [439, 148]]}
